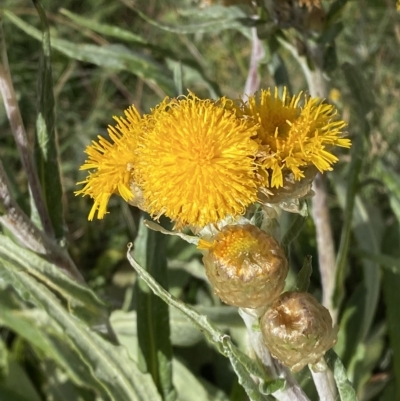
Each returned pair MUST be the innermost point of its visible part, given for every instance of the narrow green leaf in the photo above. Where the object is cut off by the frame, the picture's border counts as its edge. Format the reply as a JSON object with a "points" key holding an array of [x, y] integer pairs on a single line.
{"points": [[334, 10], [357, 153], [360, 89], [11, 395], [57, 388], [295, 228], [155, 351], [114, 369], [113, 57], [3, 359], [244, 377], [391, 286], [46, 153], [104, 29], [389, 262], [210, 19], [366, 223], [303, 278], [190, 387], [46, 337], [345, 388], [178, 78], [184, 70], [81, 300], [221, 341], [392, 183], [213, 335]]}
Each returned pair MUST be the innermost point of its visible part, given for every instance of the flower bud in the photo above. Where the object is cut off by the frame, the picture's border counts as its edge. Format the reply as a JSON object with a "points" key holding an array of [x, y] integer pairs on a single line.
{"points": [[245, 265], [298, 330]]}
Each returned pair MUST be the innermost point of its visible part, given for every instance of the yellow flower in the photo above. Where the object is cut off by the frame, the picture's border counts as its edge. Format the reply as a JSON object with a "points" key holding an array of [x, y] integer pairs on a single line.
{"points": [[293, 137], [113, 163], [196, 163]]}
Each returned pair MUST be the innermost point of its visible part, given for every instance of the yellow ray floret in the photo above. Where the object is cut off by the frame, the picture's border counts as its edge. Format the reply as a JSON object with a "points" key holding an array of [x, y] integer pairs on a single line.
{"points": [[112, 163], [294, 133], [196, 164]]}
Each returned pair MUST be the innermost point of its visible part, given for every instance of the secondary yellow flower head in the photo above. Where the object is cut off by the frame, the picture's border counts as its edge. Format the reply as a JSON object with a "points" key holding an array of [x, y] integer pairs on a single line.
{"points": [[294, 133], [196, 163], [113, 163]]}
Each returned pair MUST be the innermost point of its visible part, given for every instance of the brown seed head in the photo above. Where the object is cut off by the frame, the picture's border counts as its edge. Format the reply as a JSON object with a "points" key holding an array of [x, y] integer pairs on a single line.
{"points": [[298, 330]]}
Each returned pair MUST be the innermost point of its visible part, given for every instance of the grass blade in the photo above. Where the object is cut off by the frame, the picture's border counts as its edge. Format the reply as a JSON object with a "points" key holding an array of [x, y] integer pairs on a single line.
{"points": [[46, 153], [155, 351], [113, 57]]}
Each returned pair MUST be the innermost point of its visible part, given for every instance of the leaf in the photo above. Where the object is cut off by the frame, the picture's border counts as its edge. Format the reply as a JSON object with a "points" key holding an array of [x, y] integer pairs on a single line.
{"points": [[104, 29], [210, 19], [3, 359], [366, 223], [390, 287], [294, 230], [392, 184], [113, 57], [114, 370], [360, 89], [345, 388], [46, 153], [46, 337], [190, 387], [184, 70], [388, 262], [81, 300], [221, 341], [17, 386], [352, 179], [244, 377], [155, 351], [303, 278], [334, 10]]}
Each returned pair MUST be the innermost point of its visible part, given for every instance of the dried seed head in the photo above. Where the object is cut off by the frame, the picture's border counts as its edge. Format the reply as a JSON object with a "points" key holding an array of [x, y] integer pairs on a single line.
{"points": [[298, 330], [245, 265]]}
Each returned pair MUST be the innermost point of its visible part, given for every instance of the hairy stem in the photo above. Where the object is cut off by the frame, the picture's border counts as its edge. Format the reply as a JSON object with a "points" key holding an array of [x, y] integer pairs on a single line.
{"points": [[323, 383]]}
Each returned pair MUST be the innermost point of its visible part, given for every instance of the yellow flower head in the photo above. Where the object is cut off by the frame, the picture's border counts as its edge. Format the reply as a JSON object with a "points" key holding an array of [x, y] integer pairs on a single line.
{"points": [[293, 137], [196, 163], [113, 163]]}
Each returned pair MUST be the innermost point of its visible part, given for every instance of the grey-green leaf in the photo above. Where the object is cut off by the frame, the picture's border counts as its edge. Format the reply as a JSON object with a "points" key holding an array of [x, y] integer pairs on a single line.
{"points": [[46, 153], [113, 57], [345, 388], [114, 369]]}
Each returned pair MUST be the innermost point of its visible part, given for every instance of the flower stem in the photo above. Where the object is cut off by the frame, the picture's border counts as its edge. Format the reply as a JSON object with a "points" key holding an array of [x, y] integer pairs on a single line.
{"points": [[324, 383]]}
